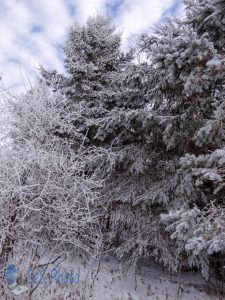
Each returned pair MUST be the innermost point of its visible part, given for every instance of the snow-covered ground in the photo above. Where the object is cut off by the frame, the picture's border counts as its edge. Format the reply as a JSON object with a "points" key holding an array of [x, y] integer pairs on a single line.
{"points": [[106, 281]]}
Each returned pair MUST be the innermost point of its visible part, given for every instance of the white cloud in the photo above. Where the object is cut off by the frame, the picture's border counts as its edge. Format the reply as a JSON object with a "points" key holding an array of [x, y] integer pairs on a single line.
{"points": [[32, 31], [138, 15]]}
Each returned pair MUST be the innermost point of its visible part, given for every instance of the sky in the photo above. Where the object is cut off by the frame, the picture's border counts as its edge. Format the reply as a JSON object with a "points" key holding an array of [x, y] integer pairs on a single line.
{"points": [[32, 32]]}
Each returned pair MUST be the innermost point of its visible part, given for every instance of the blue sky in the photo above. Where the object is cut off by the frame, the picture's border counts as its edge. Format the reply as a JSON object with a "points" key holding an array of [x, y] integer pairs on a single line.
{"points": [[32, 32]]}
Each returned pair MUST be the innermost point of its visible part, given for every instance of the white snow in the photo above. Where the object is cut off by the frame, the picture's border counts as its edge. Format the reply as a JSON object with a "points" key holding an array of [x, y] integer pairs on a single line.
{"points": [[107, 280]]}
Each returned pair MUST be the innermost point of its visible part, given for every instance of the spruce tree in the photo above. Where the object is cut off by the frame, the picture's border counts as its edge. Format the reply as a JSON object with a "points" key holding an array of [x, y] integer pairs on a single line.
{"points": [[117, 118], [188, 60], [94, 64]]}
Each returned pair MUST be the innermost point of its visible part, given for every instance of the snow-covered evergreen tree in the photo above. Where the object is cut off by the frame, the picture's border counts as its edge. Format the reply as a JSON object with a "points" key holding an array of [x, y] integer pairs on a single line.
{"points": [[94, 65], [135, 182], [187, 56], [163, 123]]}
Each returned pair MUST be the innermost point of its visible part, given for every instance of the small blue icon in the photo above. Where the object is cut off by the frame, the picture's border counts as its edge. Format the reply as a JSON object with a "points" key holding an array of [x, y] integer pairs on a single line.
{"points": [[11, 274]]}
